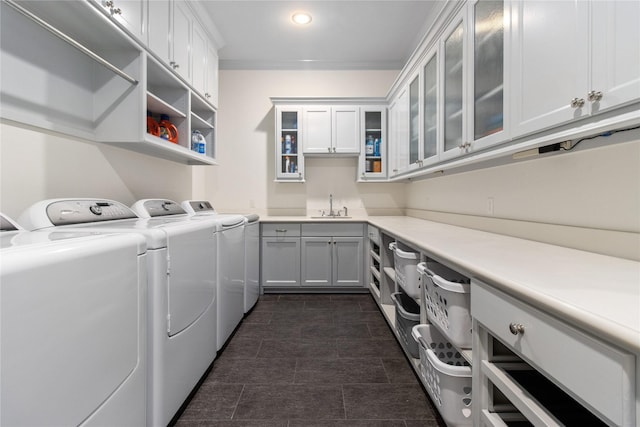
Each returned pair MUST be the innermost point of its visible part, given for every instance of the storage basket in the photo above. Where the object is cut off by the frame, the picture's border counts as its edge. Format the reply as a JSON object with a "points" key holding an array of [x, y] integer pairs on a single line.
{"points": [[407, 316], [447, 300], [445, 374], [405, 263]]}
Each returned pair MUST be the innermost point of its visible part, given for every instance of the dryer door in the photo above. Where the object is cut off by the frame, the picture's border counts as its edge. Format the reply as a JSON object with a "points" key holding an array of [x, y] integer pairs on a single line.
{"points": [[192, 273]]}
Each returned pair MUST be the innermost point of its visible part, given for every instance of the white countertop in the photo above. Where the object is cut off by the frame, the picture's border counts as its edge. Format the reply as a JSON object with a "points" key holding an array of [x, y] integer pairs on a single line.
{"points": [[596, 293]]}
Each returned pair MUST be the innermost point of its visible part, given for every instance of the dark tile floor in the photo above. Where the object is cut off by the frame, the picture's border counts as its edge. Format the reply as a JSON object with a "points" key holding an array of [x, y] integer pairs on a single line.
{"points": [[312, 360]]}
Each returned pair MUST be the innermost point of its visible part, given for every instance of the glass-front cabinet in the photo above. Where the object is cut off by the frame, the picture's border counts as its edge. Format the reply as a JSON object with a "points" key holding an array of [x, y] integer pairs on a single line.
{"points": [[431, 107], [373, 153], [453, 50], [487, 82], [414, 120], [289, 157]]}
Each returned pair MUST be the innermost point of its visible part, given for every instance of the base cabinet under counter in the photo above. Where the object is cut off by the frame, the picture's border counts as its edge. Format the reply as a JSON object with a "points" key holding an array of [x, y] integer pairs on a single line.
{"points": [[312, 256], [530, 366]]}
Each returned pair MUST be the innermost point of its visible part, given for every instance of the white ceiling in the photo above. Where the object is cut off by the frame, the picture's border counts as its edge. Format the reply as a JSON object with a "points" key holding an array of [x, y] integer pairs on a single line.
{"points": [[344, 34]]}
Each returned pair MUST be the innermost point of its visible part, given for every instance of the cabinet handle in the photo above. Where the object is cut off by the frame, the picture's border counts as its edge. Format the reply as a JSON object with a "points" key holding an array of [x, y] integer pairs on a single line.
{"points": [[464, 146], [281, 230], [334, 149], [206, 95], [329, 149], [516, 328], [176, 66], [577, 103], [594, 96]]}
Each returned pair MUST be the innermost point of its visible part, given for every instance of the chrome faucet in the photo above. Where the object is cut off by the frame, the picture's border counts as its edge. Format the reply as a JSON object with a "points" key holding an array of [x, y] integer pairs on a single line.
{"points": [[330, 204]]}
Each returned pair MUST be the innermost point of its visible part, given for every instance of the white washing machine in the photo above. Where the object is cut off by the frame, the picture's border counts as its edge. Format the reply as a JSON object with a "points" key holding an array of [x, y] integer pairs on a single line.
{"points": [[73, 326], [230, 259], [252, 248], [182, 291]]}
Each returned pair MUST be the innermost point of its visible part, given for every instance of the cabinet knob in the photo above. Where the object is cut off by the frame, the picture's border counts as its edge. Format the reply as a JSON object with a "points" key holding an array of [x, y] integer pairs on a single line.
{"points": [[206, 95], [577, 103], [334, 149], [176, 66], [594, 96], [516, 328], [329, 149]]}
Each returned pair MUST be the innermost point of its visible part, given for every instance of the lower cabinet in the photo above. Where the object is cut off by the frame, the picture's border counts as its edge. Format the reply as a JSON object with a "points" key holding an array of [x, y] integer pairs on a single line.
{"points": [[332, 261], [312, 255]]}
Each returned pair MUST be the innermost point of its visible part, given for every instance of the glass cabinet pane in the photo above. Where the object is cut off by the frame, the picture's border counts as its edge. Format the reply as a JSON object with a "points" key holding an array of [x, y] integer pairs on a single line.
{"points": [[414, 117], [289, 143], [373, 141], [430, 108], [488, 75], [453, 75]]}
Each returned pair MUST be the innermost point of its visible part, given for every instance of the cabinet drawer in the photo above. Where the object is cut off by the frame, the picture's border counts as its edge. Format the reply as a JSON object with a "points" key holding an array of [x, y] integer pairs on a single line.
{"points": [[282, 229], [344, 229], [374, 234], [596, 374]]}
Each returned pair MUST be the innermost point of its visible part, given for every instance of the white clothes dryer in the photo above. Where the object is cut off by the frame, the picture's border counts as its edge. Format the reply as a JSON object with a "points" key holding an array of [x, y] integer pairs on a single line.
{"points": [[230, 261], [252, 248], [182, 291], [73, 326]]}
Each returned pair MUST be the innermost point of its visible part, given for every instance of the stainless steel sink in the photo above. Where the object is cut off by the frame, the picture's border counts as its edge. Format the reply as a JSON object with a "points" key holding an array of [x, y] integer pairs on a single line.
{"points": [[330, 217]]}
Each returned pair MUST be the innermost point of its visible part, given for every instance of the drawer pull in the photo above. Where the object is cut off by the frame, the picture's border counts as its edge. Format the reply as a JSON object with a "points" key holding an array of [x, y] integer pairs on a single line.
{"points": [[281, 230], [516, 328]]}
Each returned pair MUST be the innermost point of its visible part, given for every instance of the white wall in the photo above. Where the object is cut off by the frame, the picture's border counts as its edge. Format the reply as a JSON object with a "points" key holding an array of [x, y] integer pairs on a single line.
{"points": [[246, 130], [35, 165], [588, 199]]}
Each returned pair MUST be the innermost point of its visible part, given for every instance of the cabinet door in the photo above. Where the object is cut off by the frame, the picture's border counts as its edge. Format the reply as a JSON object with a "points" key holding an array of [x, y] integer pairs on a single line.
{"points": [[414, 120], [488, 74], [345, 129], [289, 158], [454, 89], [431, 108], [211, 93], [159, 26], [316, 130], [549, 64], [373, 153], [615, 32], [316, 261], [130, 14], [347, 261], [399, 133], [181, 40], [280, 261], [198, 59]]}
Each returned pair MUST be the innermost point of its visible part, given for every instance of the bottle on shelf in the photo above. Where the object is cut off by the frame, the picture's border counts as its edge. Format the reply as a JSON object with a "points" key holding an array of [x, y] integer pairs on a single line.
{"points": [[288, 146], [376, 147], [168, 130], [198, 143], [153, 127], [369, 146]]}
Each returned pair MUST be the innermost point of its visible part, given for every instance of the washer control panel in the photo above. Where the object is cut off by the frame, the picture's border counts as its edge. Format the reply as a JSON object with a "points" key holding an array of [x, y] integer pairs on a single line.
{"points": [[150, 208], [197, 206], [67, 212]]}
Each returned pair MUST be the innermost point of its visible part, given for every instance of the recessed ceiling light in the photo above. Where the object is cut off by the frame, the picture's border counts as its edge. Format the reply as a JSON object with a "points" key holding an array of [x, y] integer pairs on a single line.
{"points": [[301, 18]]}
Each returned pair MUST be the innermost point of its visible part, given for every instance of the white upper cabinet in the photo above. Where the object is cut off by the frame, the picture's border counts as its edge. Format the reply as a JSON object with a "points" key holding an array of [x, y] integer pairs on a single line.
{"points": [[199, 53], [331, 129], [615, 67], [211, 89], [453, 85], [130, 14], [316, 129], [158, 29], [487, 88], [346, 129], [399, 133], [572, 59], [181, 40], [431, 108]]}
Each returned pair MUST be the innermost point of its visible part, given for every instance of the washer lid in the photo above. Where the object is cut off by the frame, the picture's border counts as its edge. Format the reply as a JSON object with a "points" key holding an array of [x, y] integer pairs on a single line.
{"points": [[151, 208]]}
